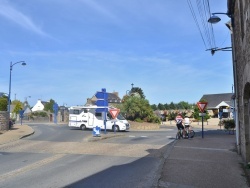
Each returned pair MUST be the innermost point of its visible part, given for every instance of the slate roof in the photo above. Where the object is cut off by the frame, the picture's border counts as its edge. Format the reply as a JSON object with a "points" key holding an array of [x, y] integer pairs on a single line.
{"points": [[215, 99], [112, 98]]}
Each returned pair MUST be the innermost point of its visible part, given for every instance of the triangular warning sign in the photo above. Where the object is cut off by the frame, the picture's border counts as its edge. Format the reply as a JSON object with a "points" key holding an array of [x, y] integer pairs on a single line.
{"points": [[114, 112], [202, 106]]}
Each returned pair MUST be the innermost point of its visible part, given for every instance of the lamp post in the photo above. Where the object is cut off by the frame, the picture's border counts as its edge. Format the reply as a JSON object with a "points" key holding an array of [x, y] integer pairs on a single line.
{"points": [[215, 19], [11, 66]]}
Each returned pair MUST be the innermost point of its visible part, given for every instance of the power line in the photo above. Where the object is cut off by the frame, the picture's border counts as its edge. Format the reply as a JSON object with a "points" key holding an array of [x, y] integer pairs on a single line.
{"points": [[203, 9]]}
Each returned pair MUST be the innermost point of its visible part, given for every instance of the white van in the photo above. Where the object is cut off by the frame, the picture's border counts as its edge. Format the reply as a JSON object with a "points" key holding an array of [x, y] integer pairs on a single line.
{"points": [[86, 117]]}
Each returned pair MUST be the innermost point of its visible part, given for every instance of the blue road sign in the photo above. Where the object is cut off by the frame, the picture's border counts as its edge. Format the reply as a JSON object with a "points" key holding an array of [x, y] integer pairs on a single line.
{"points": [[102, 101], [21, 113], [55, 108], [96, 131]]}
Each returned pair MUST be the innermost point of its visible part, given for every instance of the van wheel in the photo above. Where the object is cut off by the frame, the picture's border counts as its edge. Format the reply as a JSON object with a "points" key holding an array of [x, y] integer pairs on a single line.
{"points": [[116, 128], [83, 127]]}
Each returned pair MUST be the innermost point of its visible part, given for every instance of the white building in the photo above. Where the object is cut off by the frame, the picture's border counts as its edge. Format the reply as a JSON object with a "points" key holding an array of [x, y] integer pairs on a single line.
{"points": [[39, 106]]}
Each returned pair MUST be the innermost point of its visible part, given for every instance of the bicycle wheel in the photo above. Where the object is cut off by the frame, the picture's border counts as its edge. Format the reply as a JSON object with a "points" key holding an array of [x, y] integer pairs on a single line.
{"points": [[178, 136], [191, 134]]}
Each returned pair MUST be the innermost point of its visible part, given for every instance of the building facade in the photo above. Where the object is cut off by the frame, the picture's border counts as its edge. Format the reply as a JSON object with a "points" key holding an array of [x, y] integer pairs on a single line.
{"points": [[239, 11]]}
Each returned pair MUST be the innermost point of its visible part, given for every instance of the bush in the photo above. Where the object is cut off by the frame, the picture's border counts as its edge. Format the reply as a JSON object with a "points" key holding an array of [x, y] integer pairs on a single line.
{"points": [[3, 104], [138, 120], [39, 114], [228, 123]]}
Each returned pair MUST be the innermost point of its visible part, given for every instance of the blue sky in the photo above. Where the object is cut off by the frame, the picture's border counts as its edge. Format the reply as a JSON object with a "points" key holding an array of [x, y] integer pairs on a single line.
{"points": [[75, 48]]}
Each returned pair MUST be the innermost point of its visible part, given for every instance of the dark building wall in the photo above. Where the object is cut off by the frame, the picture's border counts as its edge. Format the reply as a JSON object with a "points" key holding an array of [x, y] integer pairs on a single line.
{"points": [[241, 46]]}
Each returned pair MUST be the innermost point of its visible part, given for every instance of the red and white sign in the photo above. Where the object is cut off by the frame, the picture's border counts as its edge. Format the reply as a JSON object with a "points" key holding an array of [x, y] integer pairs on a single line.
{"points": [[114, 112], [202, 106]]}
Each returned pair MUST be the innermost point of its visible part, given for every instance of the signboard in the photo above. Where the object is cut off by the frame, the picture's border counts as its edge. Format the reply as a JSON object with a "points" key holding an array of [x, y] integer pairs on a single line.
{"points": [[21, 112], [202, 114], [102, 100], [96, 131], [202, 106], [114, 112]]}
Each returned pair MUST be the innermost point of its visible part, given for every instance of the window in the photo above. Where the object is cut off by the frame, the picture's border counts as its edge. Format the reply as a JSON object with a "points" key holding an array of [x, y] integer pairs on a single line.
{"points": [[76, 111], [98, 115]]}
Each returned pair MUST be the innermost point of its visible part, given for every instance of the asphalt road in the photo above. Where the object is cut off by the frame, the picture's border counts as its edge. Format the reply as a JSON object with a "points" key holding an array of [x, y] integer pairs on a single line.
{"points": [[58, 156]]}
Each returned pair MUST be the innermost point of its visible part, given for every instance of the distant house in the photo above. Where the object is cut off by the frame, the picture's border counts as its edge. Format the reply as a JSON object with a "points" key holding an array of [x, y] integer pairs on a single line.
{"points": [[219, 103], [113, 98], [39, 106]]}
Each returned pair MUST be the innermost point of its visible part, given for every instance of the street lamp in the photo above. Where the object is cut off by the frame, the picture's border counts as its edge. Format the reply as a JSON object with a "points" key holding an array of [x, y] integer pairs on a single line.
{"points": [[215, 19], [11, 66]]}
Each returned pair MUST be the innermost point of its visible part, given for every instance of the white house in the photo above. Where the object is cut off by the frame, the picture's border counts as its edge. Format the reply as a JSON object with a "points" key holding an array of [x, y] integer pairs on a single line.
{"points": [[39, 106]]}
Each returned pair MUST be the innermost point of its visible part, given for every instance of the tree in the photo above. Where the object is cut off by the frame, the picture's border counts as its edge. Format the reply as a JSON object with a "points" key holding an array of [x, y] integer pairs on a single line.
{"points": [[18, 106], [154, 107], [138, 109], [166, 106], [3, 103], [172, 106], [161, 106], [137, 90], [184, 105], [49, 106]]}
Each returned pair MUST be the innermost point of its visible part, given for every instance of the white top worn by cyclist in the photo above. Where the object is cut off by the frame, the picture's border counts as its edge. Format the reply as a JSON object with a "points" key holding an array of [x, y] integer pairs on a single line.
{"points": [[187, 122]]}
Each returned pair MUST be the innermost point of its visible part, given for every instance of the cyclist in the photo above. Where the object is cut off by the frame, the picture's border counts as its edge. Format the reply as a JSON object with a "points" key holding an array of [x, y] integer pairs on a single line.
{"points": [[187, 123], [179, 124]]}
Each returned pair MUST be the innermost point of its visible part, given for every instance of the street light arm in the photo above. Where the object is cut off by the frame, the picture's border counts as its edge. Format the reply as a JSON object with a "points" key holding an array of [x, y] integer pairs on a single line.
{"points": [[222, 13], [23, 63], [213, 50]]}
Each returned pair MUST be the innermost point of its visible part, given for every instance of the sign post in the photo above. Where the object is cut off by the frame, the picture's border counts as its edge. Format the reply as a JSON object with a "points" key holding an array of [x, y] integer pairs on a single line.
{"points": [[202, 106], [55, 108], [21, 112], [102, 102], [114, 113]]}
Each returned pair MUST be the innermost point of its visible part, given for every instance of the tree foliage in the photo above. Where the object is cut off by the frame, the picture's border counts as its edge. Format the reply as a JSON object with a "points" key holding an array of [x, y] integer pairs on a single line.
{"points": [[137, 90], [3, 103], [18, 106], [49, 106], [137, 108], [173, 106]]}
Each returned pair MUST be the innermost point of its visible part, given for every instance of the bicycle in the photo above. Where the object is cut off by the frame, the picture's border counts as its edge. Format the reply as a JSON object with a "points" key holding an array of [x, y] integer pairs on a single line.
{"points": [[190, 133], [179, 134]]}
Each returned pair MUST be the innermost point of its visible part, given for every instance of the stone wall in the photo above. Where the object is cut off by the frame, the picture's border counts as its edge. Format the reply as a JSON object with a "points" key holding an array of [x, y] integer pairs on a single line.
{"points": [[4, 120], [241, 50], [143, 126]]}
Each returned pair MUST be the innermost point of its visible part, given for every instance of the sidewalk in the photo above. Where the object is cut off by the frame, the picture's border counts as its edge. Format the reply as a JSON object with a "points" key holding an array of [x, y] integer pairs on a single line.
{"points": [[17, 132], [203, 162]]}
